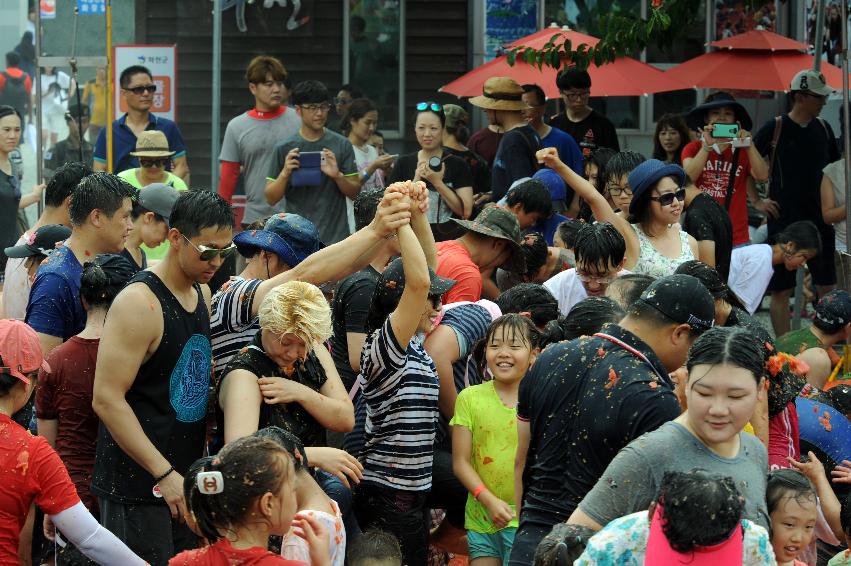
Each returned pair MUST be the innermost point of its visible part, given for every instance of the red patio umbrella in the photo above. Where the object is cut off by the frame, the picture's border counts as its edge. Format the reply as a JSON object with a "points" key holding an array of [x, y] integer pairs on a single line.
{"points": [[623, 77], [762, 40], [749, 70]]}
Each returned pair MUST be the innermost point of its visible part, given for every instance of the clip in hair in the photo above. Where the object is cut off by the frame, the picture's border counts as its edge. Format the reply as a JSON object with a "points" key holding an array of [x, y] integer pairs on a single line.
{"points": [[210, 483]]}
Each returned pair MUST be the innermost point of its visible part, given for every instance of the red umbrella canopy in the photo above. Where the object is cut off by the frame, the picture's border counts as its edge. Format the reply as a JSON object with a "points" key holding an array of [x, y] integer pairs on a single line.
{"points": [[762, 40], [623, 77], [749, 70]]}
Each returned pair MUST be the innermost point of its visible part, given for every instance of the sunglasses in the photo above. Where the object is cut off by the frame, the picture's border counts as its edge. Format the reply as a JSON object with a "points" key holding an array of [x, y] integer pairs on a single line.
{"points": [[206, 253], [140, 90], [153, 162], [433, 106], [668, 198]]}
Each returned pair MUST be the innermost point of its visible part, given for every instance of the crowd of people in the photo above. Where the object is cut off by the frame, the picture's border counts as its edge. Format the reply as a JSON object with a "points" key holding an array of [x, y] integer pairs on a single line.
{"points": [[523, 346]]}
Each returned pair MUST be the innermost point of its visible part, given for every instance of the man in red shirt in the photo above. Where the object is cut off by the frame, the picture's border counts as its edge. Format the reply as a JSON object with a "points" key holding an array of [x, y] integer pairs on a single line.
{"points": [[16, 86], [492, 240], [710, 161]]}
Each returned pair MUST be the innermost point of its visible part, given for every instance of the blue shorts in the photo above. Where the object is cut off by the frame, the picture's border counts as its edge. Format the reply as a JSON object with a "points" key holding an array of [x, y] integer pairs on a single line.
{"points": [[494, 545]]}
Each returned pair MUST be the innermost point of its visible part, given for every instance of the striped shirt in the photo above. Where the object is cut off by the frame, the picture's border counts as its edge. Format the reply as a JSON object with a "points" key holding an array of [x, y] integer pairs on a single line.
{"points": [[231, 325], [400, 396]]}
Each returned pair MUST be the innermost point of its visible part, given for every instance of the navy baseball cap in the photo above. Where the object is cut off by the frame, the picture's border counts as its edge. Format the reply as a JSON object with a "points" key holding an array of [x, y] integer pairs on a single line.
{"points": [[683, 299], [648, 173], [289, 236]]}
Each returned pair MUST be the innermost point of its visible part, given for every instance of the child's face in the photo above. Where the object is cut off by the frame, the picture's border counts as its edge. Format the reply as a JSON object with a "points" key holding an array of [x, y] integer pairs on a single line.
{"points": [[792, 525], [508, 355]]}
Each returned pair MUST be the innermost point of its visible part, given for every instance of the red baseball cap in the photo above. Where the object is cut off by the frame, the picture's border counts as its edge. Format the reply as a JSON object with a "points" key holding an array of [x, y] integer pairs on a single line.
{"points": [[20, 350], [659, 551]]}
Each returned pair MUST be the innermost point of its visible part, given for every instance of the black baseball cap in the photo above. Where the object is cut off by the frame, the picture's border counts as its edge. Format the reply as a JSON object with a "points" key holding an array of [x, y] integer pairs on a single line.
{"points": [[392, 283], [683, 299], [40, 242]]}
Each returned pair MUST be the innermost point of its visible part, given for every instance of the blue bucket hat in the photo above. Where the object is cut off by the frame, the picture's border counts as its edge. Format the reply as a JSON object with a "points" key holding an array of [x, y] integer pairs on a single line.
{"points": [[648, 173], [289, 236]]}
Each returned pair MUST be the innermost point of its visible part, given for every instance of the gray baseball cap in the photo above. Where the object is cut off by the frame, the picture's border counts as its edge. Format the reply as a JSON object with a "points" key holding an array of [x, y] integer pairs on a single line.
{"points": [[158, 198]]}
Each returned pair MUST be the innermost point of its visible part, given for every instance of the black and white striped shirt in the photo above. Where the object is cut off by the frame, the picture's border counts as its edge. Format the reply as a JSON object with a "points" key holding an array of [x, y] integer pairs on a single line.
{"points": [[400, 390], [231, 325]]}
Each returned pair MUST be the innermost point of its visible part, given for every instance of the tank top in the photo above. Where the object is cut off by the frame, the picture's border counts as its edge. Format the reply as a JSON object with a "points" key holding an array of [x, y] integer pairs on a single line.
{"points": [[169, 397], [652, 262]]}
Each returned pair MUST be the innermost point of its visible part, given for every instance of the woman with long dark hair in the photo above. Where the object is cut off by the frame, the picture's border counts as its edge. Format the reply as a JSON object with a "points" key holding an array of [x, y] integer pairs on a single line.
{"points": [[669, 139]]}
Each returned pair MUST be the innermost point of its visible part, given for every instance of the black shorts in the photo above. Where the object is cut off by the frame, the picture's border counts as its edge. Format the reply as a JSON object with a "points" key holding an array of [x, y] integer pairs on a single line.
{"points": [[147, 529], [822, 267], [403, 514]]}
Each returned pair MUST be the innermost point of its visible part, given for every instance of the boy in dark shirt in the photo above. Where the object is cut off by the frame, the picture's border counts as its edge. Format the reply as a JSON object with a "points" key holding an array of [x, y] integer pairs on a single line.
{"points": [[590, 129]]}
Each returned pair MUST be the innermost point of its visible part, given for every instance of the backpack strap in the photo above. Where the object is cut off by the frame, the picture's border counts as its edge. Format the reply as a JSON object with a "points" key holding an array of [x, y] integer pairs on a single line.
{"points": [[775, 138], [728, 199]]}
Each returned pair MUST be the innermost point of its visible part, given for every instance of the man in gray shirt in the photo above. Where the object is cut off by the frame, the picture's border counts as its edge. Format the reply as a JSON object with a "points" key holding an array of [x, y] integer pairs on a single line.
{"points": [[251, 136], [318, 190]]}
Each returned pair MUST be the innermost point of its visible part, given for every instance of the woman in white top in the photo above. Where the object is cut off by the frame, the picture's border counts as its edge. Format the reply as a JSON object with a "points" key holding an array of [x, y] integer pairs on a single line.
{"points": [[655, 244], [833, 209], [359, 123]]}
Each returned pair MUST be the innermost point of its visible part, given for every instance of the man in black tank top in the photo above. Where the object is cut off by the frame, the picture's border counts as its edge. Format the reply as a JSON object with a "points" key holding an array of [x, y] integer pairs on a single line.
{"points": [[152, 381]]}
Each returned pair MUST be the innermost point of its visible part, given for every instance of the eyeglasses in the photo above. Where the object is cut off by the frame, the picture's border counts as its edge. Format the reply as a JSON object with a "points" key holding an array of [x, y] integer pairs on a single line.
{"points": [[585, 278], [617, 191], [340, 100], [575, 95], [152, 162], [433, 106], [668, 198], [314, 108], [206, 253], [140, 90]]}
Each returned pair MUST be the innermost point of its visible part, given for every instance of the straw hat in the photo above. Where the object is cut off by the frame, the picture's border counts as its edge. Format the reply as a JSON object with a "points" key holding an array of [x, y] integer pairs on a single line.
{"points": [[500, 93], [152, 143]]}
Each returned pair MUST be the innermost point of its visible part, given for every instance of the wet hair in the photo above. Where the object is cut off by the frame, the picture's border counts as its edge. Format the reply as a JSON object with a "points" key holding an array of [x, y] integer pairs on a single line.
{"points": [[539, 93], [787, 483], [131, 71], [564, 544], [584, 319], [264, 65], [734, 345], [804, 235], [599, 245], [250, 467], [601, 157], [7, 382], [359, 108], [10, 111], [699, 509], [628, 288], [64, 181], [289, 442], [705, 274], [12, 59], [103, 278], [197, 209], [573, 77], [99, 191], [298, 308], [310, 92], [515, 324], [366, 205], [621, 164], [532, 298], [675, 122], [535, 252], [568, 231], [441, 115], [533, 195], [374, 546], [845, 515]]}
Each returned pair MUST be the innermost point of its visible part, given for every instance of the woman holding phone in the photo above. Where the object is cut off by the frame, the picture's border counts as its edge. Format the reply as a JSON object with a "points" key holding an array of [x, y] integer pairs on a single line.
{"points": [[447, 177]]}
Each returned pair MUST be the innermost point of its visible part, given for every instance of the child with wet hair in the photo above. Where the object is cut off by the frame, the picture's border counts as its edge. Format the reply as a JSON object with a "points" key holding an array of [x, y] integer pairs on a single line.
{"points": [[374, 548], [310, 501], [484, 440], [239, 498], [563, 546], [696, 519], [793, 508], [585, 318]]}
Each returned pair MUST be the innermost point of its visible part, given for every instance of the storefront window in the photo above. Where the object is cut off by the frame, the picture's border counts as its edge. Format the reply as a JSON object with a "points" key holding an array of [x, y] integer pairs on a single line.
{"points": [[373, 32]]}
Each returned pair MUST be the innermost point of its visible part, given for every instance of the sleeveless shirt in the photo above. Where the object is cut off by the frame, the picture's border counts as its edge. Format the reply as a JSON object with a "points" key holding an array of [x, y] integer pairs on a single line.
{"points": [[169, 397], [651, 262]]}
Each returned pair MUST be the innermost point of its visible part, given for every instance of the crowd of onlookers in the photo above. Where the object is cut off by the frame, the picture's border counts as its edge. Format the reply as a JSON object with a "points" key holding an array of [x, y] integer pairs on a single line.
{"points": [[520, 345]]}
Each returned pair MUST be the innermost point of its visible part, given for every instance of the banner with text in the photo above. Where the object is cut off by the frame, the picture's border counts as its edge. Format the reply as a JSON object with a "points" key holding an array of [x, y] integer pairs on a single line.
{"points": [[161, 60]]}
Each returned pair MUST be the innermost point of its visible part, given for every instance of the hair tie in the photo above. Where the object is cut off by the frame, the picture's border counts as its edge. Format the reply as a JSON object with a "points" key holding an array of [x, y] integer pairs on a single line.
{"points": [[210, 483]]}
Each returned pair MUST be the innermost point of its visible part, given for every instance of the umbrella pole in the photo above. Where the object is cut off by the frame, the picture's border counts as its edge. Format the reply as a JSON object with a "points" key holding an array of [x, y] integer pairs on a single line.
{"points": [[846, 140], [817, 48]]}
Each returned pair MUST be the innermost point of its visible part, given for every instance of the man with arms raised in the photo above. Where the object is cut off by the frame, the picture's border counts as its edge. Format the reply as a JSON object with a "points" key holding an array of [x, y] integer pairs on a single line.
{"points": [[152, 382]]}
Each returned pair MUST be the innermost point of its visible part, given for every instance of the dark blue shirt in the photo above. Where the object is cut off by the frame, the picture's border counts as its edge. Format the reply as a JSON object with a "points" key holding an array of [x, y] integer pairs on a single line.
{"points": [[548, 226], [568, 149], [54, 306], [124, 141]]}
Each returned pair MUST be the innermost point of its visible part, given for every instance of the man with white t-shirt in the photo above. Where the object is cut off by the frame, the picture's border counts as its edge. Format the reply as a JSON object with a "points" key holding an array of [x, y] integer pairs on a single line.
{"points": [[599, 252]]}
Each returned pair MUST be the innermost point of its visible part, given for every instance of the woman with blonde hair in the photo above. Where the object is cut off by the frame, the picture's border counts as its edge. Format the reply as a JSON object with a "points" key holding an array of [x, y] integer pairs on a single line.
{"points": [[285, 377]]}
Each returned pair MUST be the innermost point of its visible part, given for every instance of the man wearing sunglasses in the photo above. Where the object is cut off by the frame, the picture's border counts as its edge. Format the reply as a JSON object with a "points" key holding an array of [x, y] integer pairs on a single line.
{"points": [[152, 382], [137, 92], [317, 193]]}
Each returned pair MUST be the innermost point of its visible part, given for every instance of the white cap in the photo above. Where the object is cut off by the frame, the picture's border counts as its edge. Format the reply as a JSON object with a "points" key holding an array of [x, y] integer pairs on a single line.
{"points": [[811, 81]]}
